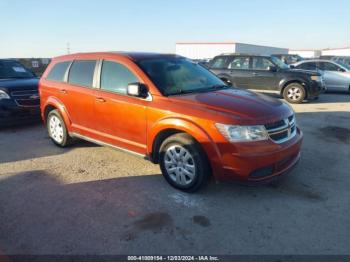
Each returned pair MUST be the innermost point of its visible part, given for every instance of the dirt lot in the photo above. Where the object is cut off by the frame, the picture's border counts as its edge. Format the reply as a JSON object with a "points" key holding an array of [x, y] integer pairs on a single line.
{"points": [[93, 200]]}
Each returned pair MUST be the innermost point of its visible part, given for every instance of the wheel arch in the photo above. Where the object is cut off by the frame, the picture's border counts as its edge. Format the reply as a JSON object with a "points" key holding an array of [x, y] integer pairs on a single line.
{"points": [[55, 104], [285, 82], [165, 128]]}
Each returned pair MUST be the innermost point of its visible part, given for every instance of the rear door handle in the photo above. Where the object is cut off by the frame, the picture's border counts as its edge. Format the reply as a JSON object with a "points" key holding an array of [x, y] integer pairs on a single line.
{"points": [[63, 91], [100, 100], [255, 74]]}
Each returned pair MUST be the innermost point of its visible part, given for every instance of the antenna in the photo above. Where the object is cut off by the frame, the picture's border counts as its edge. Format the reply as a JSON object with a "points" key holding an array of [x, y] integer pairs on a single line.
{"points": [[68, 48]]}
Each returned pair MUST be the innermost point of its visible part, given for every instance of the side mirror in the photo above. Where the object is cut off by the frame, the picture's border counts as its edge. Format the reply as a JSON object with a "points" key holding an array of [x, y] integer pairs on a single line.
{"points": [[227, 82], [341, 70], [272, 68], [292, 66], [137, 90]]}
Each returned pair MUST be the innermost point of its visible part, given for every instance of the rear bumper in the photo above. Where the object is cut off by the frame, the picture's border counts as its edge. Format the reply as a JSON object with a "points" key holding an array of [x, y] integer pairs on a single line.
{"points": [[11, 113], [263, 162]]}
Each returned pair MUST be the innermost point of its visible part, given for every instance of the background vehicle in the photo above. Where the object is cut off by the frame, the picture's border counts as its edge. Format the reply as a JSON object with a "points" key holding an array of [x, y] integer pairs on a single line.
{"points": [[19, 97], [288, 58], [336, 75], [345, 60], [172, 111], [268, 74], [203, 62]]}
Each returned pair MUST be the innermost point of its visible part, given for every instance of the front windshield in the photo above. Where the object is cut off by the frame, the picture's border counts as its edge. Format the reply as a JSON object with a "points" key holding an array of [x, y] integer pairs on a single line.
{"points": [[278, 62], [180, 76], [13, 69]]}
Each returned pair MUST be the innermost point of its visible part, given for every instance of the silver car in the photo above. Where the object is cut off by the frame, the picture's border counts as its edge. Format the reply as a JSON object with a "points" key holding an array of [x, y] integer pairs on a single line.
{"points": [[335, 74]]}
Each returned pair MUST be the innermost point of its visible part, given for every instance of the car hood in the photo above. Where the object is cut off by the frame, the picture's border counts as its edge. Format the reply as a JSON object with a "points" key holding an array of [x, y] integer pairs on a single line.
{"points": [[19, 84], [243, 105]]}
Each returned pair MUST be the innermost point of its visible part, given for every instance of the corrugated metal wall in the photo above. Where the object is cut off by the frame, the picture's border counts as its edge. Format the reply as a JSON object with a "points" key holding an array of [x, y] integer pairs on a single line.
{"points": [[203, 50]]}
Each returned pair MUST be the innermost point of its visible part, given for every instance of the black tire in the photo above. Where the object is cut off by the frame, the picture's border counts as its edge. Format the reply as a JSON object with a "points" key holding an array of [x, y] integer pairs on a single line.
{"points": [[299, 97], [200, 161], [65, 140]]}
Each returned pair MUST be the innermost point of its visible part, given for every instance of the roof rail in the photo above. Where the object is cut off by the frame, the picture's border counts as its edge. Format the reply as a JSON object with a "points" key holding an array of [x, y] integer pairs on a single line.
{"points": [[256, 54]]}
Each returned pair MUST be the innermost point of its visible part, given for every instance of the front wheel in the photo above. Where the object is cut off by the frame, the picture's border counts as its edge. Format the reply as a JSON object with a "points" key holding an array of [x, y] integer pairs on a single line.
{"points": [[183, 163], [294, 93], [57, 129]]}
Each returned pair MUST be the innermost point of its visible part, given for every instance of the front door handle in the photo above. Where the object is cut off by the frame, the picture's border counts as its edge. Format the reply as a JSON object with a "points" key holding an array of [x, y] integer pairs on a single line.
{"points": [[63, 91], [255, 74], [100, 100]]}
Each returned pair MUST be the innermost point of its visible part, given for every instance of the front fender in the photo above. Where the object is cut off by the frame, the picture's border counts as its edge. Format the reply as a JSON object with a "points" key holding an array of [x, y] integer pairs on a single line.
{"points": [[194, 130], [57, 104], [285, 81]]}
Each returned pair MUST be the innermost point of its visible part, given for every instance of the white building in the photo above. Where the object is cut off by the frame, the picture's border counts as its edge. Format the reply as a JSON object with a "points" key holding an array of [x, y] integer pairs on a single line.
{"points": [[306, 53], [337, 51], [209, 50]]}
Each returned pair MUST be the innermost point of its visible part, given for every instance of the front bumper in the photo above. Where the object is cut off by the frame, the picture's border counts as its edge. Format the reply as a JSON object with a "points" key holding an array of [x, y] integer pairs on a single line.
{"points": [[12, 113], [261, 161], [315, 88]]}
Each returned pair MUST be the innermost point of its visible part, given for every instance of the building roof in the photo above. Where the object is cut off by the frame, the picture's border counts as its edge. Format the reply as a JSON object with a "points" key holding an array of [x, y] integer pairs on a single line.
{"points": [[206, 43]]}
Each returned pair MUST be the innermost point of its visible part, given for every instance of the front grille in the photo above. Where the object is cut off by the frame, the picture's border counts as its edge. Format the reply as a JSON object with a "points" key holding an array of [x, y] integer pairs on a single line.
{"points": [[24, 93], [279, 136], [275, 124], [28, 102], [282, 130], [26, 98]]}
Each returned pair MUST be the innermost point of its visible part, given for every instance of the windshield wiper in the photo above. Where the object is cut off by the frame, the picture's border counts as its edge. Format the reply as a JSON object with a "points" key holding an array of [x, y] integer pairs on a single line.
{"points": [[180, 91], [219, 86], [14, 77]]}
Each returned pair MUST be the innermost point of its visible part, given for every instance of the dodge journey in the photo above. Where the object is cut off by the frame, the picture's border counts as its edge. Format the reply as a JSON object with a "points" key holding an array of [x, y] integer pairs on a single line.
{"points": [[172, 111]]}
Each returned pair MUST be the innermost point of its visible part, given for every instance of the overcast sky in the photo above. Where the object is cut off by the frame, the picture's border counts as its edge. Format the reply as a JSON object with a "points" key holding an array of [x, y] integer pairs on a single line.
{"points": [[42, 28]]}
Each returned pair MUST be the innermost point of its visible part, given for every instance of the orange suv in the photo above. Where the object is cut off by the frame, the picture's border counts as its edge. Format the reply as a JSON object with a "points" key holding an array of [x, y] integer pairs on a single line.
{"points": [[173, 112]]}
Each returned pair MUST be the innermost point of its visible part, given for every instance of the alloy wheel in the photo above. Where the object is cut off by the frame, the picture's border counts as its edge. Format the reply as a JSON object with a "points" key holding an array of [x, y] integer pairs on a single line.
{"points": [[294, 93]]}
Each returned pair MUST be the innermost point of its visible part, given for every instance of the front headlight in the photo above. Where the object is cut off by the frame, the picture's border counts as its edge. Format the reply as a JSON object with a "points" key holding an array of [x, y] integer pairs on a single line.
{"points": [[4, 95], [316, 78], [242, 133]]}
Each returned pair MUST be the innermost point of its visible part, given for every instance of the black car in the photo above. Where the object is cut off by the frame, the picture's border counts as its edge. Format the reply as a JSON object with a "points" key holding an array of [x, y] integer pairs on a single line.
{"points": [[19, 97], [268, 74], [289, 58]]}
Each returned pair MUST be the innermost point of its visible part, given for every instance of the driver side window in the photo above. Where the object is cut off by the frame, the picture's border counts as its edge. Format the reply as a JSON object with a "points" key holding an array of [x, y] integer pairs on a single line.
{"points": [[115, 77]]}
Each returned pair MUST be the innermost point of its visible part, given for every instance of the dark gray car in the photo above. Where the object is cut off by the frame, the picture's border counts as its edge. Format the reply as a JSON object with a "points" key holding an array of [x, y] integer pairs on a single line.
{"points": [[267, 74]]}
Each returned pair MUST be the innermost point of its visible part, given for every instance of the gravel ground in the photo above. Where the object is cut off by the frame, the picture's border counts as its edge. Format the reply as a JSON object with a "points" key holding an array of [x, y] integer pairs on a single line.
{"points": [[89, 199]]}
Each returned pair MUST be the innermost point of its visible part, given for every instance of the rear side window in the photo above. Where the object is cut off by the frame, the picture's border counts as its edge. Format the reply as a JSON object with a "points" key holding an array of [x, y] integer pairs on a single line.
{"points": [[58, 71], [81, 73], [220, 62], [115, 77], [326, 66]]}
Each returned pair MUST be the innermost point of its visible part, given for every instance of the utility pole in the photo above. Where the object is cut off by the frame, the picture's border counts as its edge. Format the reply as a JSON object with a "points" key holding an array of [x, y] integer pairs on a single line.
{"points": [[68, 48]]}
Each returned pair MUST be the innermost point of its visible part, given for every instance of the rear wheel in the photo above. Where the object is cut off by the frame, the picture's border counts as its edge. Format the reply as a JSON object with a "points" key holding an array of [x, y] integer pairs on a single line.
{"points": [[294, 93], [183, 163], [57, 129]]}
